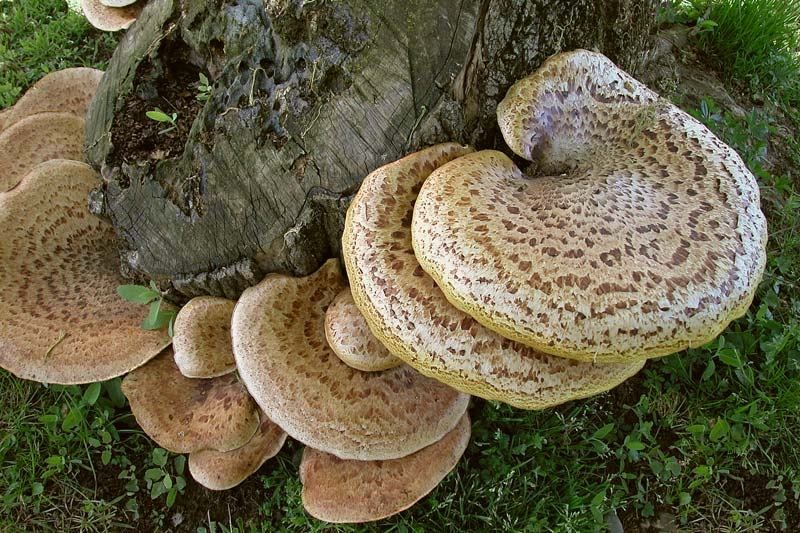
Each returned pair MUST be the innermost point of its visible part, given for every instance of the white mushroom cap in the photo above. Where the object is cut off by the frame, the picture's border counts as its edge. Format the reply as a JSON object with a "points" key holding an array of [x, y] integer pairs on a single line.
{"points": [[283, 358], [651, 243], [117, 3], [350, 338], [346, 491], [64, 91], [37, 139], [61, 320], [411, 316], [186, 415], [202, 337], [224, 470], [106, 18]]}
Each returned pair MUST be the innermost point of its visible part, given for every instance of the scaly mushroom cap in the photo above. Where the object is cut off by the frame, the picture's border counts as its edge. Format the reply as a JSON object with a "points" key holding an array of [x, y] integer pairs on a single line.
{"points": [[288, 367], [202, 340], [61, 320], [37, 139], [350, 338], [345, 491], [224, 470], [64, 91], [651, 243], [106, 18], [185, 415], [411, 316]]}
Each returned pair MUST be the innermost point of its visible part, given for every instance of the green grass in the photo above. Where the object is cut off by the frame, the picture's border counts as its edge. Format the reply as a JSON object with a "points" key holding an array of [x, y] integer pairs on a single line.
{"points": [[708, 439], [41, 36], [754, 41]]}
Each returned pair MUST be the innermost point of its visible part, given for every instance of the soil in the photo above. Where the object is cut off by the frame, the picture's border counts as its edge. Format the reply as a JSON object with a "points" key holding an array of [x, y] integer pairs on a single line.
{"points": [[170, 87]]}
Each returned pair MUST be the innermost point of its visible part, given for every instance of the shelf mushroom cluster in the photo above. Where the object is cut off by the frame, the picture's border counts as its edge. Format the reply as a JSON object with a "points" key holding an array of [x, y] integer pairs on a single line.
{"points": [[639, 234], [60, 319], [243, 376]]}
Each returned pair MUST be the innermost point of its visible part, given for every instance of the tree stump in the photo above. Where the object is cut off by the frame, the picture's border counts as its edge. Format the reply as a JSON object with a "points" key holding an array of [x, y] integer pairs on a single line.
{"points": [[308, 97]]}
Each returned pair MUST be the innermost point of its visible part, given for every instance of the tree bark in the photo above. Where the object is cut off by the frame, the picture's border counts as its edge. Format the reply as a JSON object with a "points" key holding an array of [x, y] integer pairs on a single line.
{"points": [[308, 98]]}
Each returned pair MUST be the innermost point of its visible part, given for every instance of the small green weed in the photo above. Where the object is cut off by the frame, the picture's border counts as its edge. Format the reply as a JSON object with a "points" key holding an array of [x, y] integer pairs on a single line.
{"points": [[160, 116], [204, 88], [160, 315]]}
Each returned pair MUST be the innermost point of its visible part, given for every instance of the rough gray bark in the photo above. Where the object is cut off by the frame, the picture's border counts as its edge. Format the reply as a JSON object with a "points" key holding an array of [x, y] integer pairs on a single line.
{"points": [[308, 98]]}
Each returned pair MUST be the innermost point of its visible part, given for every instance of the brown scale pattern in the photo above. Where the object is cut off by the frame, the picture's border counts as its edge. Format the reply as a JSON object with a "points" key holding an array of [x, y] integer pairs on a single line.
{"points": [[185, 415], [288, 367], [224, 470], [37, 139], [61, 320], [202, 340], [342, 491], [651, 242], [63, 91], [409, 314], [106, 18], [350, 338]]}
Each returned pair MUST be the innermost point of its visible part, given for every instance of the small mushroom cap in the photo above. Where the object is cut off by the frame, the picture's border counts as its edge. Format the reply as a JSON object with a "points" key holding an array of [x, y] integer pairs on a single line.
{"points": [[106, 18], [61, 320], [185, 415], [37, 139], [652, 243], [288, 367], [345, 491], [202, 339], [224, 470], [411, 316], [63, 91], [350, 338]]}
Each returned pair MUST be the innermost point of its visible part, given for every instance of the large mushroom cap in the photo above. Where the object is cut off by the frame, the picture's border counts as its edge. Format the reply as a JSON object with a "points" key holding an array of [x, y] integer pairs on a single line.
{"points": [[288, 367], [345, 491], [37, 139], [61, 320], [224, 470], [202, 339], [106, 18], [185, 415], [350, 338], [64, 91], [651, 243], [411, 316]]}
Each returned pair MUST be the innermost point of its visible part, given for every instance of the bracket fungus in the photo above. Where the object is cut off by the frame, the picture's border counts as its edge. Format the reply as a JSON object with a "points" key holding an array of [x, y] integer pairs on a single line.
{"points": [[202, 339], [647, 241], [410, 315], [349, 337], [106, 17], [63, 91], [36, 139], [60, 318], [185, 415], [225, 470], [346, 491], [284, 359]]}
